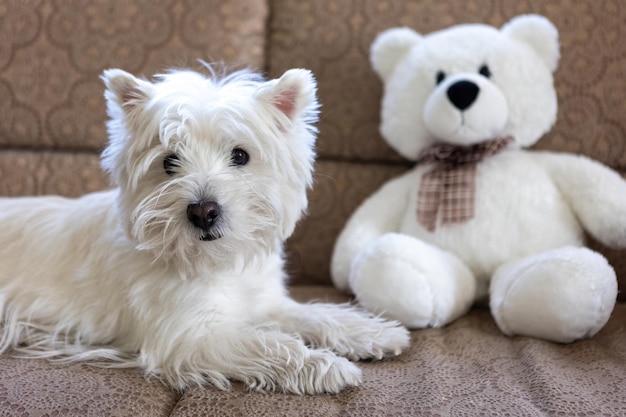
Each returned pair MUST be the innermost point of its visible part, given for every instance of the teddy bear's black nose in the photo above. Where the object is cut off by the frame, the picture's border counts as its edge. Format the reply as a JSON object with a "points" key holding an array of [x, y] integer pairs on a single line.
{"points": [[462, 94], [203, 215]]}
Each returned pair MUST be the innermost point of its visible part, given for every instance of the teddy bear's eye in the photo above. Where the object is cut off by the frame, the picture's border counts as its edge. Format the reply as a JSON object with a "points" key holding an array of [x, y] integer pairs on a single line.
{"points": [[484, 71], [170, 164], [239, 157], [440, 76]]}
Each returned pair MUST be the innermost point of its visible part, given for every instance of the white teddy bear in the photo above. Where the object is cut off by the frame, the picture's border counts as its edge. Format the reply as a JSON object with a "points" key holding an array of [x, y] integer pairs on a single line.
{"points": [[479, 218]]}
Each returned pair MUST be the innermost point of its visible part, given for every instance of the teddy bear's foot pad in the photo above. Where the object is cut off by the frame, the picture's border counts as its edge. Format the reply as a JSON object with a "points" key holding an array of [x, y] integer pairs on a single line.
{"points": [[560, 295]]}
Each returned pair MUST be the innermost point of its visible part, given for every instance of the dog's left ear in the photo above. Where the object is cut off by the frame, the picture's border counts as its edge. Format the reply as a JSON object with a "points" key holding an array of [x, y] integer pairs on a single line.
{"points": [[125, 90], [293, 94]]}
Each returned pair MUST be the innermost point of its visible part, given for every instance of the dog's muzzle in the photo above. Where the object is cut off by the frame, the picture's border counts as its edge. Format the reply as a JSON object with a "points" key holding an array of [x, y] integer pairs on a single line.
{"points": [[204, 215]]}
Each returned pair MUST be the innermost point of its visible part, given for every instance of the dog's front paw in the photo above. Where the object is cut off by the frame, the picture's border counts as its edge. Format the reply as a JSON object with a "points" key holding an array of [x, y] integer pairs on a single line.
{"points": [[379, 339], [325, 372], [320, 372], [391, 339], [348, 331]]}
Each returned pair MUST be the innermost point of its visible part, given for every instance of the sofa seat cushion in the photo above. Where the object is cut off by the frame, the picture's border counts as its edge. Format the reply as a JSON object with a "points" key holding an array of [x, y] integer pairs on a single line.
{"points": [[467, 367]]}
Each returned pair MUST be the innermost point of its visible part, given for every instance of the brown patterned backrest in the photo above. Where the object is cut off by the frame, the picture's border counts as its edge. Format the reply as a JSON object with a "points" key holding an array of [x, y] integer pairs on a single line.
{"points": [[52, 53], [52, 113], [334, 42]]}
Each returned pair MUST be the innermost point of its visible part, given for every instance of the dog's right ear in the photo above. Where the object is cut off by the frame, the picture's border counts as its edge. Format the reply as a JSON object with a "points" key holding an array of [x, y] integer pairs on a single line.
{"points": [[125, 90], [293, 95]]}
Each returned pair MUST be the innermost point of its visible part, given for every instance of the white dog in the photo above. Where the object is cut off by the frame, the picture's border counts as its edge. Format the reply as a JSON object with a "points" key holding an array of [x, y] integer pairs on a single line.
{"points": [[179, 270]]}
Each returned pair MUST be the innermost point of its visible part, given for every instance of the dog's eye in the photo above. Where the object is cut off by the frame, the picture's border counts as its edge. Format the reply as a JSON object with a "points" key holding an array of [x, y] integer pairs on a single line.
{"points": [[239, 157], [170, 163], [484, 71], [440, 77]]}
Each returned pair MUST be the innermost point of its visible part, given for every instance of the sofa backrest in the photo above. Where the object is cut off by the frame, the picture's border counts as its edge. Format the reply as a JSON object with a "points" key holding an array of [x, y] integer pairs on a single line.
{"points": [[52, 54], [52, 112], [334, 42]]}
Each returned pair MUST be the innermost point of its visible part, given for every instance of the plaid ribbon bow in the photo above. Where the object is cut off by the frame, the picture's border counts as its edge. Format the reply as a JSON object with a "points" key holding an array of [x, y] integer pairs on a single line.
{"points": [[447, 191]]}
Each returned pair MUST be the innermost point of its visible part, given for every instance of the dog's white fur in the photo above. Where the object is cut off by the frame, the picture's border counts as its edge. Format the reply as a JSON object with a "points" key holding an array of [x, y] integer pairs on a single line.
{"points": [[123, 275]]}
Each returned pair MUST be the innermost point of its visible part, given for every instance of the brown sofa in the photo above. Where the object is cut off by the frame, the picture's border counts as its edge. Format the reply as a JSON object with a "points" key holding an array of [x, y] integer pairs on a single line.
{"points": [[52, 128]]}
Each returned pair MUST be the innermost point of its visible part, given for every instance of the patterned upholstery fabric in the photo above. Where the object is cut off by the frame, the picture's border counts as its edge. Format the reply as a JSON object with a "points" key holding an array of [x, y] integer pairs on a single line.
{"points": [[51, 56], [467, 368], [37, 388], [52, 128]]}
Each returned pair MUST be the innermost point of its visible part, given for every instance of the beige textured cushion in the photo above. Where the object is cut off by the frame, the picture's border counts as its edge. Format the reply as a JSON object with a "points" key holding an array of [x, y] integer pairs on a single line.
{"points": [[467, 368], [35, 388]]}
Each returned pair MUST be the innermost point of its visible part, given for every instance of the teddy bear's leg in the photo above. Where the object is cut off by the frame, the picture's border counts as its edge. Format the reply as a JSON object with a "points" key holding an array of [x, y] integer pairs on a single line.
{"points": [[561, 295], [413, 282]]}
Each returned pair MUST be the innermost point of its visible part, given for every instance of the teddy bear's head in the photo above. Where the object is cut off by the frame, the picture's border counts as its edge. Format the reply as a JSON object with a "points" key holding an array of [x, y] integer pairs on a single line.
{"points": [[467, 84]]}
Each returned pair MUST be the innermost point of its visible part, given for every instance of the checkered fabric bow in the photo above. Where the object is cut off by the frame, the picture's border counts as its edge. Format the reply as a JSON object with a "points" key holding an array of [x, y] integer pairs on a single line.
{"points": [[447, 191]]}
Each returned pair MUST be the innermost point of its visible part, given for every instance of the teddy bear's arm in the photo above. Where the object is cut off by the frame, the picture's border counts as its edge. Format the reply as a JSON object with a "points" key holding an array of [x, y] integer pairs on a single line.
{"points": [[596, 194], [379, 214]]}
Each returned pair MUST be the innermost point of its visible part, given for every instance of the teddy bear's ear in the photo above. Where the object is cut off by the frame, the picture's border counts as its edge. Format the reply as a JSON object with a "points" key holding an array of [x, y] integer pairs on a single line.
{"points": [[390, 47], [539, 33]]}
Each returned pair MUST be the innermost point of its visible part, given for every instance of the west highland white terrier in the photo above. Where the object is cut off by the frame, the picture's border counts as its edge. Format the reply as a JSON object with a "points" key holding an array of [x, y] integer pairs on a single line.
{"points": [[179, 270]]}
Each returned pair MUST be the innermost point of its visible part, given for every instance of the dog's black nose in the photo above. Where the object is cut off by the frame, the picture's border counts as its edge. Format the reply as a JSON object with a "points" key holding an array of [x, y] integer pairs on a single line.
{"points": [[462, 94], [204, 214]]}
